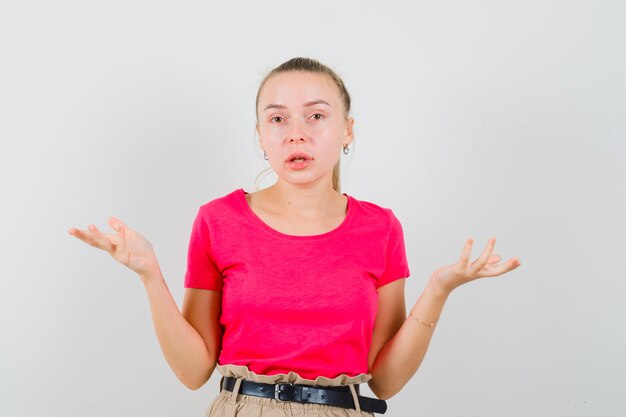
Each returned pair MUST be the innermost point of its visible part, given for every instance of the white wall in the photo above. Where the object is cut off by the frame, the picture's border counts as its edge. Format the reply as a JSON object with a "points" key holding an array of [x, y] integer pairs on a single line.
{"points": [[480, 119]]}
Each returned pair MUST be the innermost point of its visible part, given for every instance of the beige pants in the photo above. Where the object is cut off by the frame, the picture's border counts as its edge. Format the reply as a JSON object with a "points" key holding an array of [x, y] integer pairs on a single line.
{"points": [[233, 404]]}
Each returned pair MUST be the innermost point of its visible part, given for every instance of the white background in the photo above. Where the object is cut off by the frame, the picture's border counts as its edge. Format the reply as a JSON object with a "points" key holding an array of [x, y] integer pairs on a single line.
{"points": [[483, 118]]}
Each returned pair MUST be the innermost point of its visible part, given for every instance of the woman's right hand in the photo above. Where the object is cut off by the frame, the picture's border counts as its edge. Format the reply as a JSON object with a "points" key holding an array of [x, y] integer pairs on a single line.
{"points": [[126, 246]]}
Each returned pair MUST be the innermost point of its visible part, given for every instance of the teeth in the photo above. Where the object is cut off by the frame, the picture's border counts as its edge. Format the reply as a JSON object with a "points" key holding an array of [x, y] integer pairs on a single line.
{"points": [[298, 160]]}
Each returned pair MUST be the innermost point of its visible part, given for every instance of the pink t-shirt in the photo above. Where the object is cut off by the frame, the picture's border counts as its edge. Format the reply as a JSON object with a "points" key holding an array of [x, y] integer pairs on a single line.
{"points": [[303, 304]]}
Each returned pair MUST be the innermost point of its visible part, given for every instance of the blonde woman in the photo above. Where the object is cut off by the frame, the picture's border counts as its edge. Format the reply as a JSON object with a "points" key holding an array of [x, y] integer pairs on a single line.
{"points": [[295, 293]]}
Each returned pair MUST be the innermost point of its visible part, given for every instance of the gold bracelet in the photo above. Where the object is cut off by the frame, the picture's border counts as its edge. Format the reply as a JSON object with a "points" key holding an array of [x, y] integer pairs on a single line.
{"points": [[421, 322]]}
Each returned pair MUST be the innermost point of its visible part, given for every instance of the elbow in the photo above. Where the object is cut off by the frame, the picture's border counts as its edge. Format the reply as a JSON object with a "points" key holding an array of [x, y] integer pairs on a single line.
{"points": [[194, 386], [384, 397], [195, 381], [382, 393]]}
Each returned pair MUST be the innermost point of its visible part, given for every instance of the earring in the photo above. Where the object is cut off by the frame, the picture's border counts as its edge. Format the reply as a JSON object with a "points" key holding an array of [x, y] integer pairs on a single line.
{"points": [[265, 156], [346, 150]]}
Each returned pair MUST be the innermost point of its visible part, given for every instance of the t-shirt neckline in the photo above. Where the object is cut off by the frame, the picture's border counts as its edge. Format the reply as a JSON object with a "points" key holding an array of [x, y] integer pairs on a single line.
{"points": [[242, 198]]}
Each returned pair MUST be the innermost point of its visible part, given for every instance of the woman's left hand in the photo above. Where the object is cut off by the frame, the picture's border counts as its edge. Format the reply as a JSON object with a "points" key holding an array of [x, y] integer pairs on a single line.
{"points": [[452, 276]]}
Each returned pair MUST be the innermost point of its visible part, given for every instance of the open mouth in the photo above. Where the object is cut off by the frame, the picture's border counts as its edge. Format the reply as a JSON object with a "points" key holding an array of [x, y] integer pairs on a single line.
{"points": [[298, 157]]}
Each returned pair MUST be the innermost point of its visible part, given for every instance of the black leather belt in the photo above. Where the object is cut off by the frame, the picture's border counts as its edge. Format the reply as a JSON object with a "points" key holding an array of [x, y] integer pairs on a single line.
{"points": [[339, 396]]}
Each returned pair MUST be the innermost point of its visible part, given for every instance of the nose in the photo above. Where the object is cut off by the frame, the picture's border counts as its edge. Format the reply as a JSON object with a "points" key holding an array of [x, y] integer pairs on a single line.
{"points": [[297, 132]]}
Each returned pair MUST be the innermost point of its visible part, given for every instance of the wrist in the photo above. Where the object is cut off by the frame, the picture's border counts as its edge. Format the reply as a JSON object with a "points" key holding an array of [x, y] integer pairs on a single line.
{"points": [[429, 305], [151, 274], [436, 288]]}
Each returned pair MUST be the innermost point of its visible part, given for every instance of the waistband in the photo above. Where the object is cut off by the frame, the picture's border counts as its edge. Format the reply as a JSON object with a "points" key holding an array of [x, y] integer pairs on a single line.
{"points": [[345, 396]]}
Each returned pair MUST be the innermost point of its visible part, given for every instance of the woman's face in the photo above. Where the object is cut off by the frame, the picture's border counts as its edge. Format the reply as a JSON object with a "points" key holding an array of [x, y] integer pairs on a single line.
{"points": [[302, 112]]}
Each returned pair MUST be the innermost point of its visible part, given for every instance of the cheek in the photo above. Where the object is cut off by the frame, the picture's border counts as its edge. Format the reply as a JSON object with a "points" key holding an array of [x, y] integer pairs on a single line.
{"points": [[328, 129], [330, 145], [268, 128], [271, 133]]}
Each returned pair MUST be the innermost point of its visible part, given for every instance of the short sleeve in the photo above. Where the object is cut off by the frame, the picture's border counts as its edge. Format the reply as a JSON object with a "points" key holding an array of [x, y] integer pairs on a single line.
{"points": [[396, 265], [202, 271]]}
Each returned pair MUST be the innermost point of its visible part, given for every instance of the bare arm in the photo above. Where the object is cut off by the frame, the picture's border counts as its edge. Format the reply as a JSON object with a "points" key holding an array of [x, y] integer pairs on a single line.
{"points": [[190, 342], [202, 309], [400, 357]]}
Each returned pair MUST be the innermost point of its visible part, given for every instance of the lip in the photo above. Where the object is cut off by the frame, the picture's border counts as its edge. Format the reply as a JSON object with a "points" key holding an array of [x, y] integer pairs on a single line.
{"points": [[299, 165], [294, 155]]}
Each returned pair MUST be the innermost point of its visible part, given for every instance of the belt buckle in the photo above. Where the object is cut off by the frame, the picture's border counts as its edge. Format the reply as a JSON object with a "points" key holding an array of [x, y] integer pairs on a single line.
{"points": [[278, 390]]}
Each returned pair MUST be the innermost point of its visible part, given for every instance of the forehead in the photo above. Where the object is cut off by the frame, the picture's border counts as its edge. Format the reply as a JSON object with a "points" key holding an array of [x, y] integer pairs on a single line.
{"points": [[294, 87]]}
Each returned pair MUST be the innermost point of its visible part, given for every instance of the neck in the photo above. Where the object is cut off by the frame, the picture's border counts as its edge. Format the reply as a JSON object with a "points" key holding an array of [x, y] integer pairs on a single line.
{"points": [[309, 199]]}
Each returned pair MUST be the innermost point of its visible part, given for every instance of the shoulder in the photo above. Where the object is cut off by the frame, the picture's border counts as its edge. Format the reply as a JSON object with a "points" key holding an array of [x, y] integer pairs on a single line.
{"points": [[223, 205], [224, 210], [374, 212]]}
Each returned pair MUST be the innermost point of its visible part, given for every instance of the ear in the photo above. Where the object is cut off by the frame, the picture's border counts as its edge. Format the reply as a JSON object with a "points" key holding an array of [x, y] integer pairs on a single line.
{"points": [[349, 135], [258, 132]]}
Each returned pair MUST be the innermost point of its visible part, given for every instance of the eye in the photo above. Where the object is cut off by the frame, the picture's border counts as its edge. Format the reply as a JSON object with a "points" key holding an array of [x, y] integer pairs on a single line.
{"points": [[318, 114], [274, 119]]}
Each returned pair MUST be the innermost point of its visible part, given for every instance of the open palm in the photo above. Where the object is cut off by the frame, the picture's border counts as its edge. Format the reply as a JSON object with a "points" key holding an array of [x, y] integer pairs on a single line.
{"points": [[125, 246], [464, 271]]}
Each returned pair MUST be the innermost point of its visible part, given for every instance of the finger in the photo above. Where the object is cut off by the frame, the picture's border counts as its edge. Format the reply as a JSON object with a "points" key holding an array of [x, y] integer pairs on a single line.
{"points": [[119, 226], [494, 259], [76, 232], [123, 253], [482, 260], [103, 241], [83, 235], [116, 223], [496, 270], [467, 250]]}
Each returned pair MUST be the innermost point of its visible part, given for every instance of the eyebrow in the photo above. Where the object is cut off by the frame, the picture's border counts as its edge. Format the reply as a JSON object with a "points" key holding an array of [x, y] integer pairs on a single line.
{"points": [[307, 104]]}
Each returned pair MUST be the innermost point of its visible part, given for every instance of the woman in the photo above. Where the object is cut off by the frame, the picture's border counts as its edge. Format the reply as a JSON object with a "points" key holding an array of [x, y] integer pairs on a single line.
{"points": [[295, 293]]}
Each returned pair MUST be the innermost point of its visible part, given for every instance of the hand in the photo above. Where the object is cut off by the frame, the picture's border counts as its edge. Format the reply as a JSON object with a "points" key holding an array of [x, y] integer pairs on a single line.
{"points": [[126, 246], [452, 276]]}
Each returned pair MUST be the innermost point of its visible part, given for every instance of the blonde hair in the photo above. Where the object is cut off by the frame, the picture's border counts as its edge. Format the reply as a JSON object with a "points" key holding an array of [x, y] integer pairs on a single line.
{"points": [[314, 66]]}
